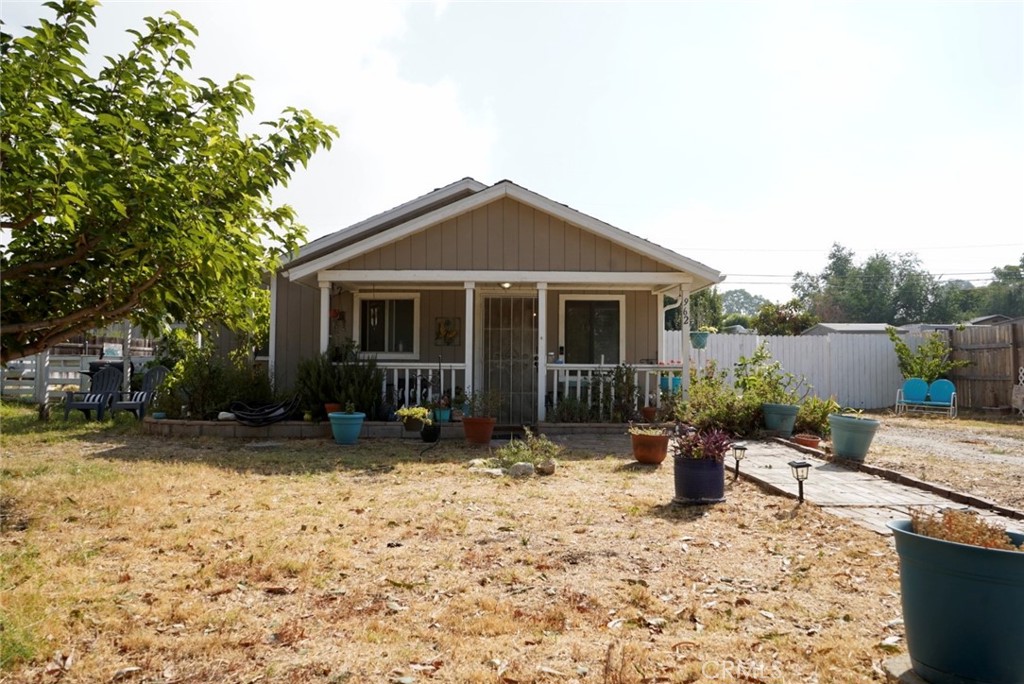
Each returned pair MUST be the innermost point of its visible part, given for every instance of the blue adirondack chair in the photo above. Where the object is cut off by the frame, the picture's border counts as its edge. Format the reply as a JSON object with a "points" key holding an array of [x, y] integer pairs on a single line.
{"points": [[138, 401], [105, 385]]}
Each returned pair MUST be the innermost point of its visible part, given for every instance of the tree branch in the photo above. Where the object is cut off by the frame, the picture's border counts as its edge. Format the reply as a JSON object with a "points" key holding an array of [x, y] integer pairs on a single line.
{"points": [[32, 268]]}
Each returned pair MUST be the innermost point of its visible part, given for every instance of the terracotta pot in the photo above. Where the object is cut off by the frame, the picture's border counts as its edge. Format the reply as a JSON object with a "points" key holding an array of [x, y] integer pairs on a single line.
{"points": [[478, 430], [649, 413], [812, 441], [650, 448], [333, 408]]}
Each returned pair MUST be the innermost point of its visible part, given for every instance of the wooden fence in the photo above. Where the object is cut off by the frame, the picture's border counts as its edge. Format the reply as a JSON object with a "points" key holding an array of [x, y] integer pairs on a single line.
{"points": [[996, 354]]}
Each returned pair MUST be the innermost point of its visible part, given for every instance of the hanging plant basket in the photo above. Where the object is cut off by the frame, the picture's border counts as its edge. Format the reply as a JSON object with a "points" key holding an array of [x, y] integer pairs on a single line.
{"points": [[698, 340]]}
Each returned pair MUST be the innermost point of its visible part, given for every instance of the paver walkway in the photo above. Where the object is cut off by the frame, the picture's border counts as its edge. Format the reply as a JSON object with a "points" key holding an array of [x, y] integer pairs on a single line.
{"points": [[867, 499]]}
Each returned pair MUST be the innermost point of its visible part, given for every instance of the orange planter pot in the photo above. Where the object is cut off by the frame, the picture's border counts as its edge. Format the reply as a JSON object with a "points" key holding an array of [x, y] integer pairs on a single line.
{"points": [[812, 441], [650, 448], [478, 430], [649, 413]]}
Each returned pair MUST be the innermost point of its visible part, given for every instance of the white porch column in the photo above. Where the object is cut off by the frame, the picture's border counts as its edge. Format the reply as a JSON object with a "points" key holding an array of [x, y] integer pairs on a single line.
{"points": [[325, 315], [542, 350], [42, 379], [684, 344], [659, 325], [467, 336]]}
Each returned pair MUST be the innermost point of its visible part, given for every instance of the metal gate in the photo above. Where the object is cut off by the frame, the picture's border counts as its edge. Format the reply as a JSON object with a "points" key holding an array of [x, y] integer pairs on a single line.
{"points": [[510, 356]]}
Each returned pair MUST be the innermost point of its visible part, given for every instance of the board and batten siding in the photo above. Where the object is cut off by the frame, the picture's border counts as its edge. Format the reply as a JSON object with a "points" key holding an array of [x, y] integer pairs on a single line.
{"points": [[298, 329], [505, 235], [641, 317]]}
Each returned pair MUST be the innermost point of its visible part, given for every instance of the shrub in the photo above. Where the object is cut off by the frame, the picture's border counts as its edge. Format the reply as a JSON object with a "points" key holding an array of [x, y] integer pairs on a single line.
{"points": [[963, 526], [710, 444], [713, 404], [206, 384], [813, 416], [931, 360], [571, 410], [763, 381], [531, 449]]}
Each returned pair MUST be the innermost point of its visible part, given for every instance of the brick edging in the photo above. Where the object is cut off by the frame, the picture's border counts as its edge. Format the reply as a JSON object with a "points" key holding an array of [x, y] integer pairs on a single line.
{"points": [[904, 479]]}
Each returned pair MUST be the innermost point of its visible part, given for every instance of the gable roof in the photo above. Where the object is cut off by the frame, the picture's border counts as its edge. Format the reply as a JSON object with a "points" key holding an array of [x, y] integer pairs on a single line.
{"points": [[456, 199]]}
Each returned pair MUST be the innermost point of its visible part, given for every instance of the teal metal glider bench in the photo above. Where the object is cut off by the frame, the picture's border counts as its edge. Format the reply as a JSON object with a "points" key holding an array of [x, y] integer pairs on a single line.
{"points": [[917, 395]]}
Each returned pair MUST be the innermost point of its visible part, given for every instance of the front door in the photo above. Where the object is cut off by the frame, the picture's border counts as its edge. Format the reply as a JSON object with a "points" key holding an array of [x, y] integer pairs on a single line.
{"points": [[510, 356]]}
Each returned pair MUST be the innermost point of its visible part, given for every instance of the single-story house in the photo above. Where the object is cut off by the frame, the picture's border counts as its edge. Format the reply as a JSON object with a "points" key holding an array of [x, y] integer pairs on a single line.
{"points": [[481, 287]]}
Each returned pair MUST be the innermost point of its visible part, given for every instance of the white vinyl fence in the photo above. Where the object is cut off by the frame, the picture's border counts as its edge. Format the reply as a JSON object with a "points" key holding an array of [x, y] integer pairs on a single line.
{"points": [[860, 371], [30, 377]]}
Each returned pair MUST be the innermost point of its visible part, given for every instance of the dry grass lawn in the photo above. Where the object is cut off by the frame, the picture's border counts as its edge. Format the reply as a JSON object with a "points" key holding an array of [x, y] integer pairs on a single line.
{"points": [[137, 559]]}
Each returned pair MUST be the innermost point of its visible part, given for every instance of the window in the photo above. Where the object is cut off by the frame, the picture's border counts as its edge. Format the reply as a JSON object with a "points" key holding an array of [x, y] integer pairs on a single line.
{"points": [[388, 325], [592, 328]]}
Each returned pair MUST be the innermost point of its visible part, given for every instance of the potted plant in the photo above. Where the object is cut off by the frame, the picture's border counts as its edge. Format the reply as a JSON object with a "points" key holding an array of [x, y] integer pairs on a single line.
{"points": [[650, 444], [650, 411], [481, 411], [345, 426], [699, 338], [807, 439], [414, 418], [317, 380], [762, 381], [699, 457], [441, 408], [670, 382], [431, 433], [962, 591], [852, 433]]}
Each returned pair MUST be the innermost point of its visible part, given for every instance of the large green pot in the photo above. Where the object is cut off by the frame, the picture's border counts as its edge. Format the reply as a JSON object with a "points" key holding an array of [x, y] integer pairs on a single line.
{"points": [[851, 436], [780, 418], [346, 426], [963, 609]]}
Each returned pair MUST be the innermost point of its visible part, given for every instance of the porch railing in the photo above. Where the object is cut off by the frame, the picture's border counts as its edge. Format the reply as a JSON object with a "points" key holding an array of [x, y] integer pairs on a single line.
{"points": [[597, 390], [420, 384]]}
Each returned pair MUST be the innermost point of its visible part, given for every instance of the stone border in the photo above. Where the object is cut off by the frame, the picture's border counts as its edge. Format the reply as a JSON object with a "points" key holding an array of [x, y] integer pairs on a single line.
{"points": [[904, 479]]}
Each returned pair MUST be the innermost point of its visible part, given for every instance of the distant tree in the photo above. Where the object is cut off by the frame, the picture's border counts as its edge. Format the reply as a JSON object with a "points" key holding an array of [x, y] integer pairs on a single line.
{"points": [[133, 192], [885, 289], [1005, 294], [739, 319], [741, 302], [706, 309], [783, 319]]}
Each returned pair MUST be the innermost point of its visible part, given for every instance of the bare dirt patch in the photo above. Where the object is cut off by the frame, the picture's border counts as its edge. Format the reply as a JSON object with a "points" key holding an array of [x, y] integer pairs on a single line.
{"points": [[980, 458], [207, 561]]}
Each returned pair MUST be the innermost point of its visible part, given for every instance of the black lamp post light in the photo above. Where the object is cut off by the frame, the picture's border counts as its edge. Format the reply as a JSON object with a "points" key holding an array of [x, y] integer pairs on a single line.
{"points": [[739, 450], [800, 469]]}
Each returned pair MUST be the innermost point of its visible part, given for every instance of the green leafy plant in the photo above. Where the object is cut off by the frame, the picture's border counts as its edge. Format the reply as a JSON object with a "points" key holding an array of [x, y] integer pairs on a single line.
{"points": [[930, 361], [710, 444], [317, 380], [483, 403], [647, 430], [761, 379], [571, 410], [359, 379], [420, 413], [713, 403], [531, 449], [206, 384], [813, 416], [961, 526]]}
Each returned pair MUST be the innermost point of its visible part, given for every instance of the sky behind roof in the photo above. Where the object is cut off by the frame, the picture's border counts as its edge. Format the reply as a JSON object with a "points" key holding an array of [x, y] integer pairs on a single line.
{"points": [[747, 136]]}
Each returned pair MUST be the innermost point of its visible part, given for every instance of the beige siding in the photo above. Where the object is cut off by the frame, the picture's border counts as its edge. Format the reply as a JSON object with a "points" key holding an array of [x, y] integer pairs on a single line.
{"points": [[298, 329], [505, 235]]}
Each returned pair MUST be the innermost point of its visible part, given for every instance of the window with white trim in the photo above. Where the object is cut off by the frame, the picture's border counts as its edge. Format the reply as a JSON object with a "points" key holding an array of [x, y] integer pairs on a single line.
{"points": [[388, 325], [592, 328]]}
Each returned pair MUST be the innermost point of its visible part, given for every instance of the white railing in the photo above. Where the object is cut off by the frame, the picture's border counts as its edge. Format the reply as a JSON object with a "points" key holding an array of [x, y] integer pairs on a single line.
{"points": [[416, 384], [596, 387], [30, 377]]}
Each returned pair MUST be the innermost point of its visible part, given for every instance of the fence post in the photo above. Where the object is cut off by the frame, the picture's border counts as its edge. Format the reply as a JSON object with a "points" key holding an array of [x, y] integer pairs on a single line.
{"points": [[42, 384]]}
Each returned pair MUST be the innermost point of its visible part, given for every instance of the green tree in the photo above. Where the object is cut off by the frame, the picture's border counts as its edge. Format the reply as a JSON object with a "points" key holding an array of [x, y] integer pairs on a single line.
{"points": [[133, 192], [930, 361], [1005, 294], [741, 302], [783, 319], [706, 309], [745, 320]]}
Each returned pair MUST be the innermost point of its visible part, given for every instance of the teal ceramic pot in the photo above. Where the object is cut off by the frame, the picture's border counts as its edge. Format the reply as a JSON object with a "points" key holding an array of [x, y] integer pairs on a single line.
{"points": [[670, 384], [851, 437], [442, 415], [780, 418], [346, 426], [698, 340], [963, 608]]}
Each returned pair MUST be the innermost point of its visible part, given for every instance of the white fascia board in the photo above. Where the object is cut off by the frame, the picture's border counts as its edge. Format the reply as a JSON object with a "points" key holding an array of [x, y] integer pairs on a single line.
{"points": [[369, 224], [644, 278], [398, 232], [610, 232]]}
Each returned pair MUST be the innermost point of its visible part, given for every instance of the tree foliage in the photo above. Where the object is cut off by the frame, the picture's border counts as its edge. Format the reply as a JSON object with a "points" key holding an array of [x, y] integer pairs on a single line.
{"points": [[741, 302], [133, 192], [783, 319], [930, 361]]}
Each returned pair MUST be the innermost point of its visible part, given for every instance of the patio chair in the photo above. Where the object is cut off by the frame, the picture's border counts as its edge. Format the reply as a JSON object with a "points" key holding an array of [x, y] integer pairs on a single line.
{"points": [[104, 386], [137, 402], [913, 393]]}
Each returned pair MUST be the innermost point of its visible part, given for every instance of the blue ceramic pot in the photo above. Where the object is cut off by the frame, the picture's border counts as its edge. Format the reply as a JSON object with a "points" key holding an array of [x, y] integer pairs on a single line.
{"points": [[442, 415], [346, 426], [780, 418], [851, 437], [666, 382]]}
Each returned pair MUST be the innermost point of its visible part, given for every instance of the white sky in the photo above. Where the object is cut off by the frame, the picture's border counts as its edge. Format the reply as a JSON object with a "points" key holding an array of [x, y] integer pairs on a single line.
{"points": [[748, 136]]}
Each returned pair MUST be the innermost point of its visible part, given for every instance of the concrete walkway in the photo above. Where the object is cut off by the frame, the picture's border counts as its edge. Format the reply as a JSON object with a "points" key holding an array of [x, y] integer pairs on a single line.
{"points": [[870, 500]]}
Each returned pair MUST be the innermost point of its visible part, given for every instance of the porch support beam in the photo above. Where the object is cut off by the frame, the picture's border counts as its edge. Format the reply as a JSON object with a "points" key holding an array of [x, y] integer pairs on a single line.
{"points": [[644, 279], [468, 331], [684, 344], [325, 314], [272, 351], [542, 351]]}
